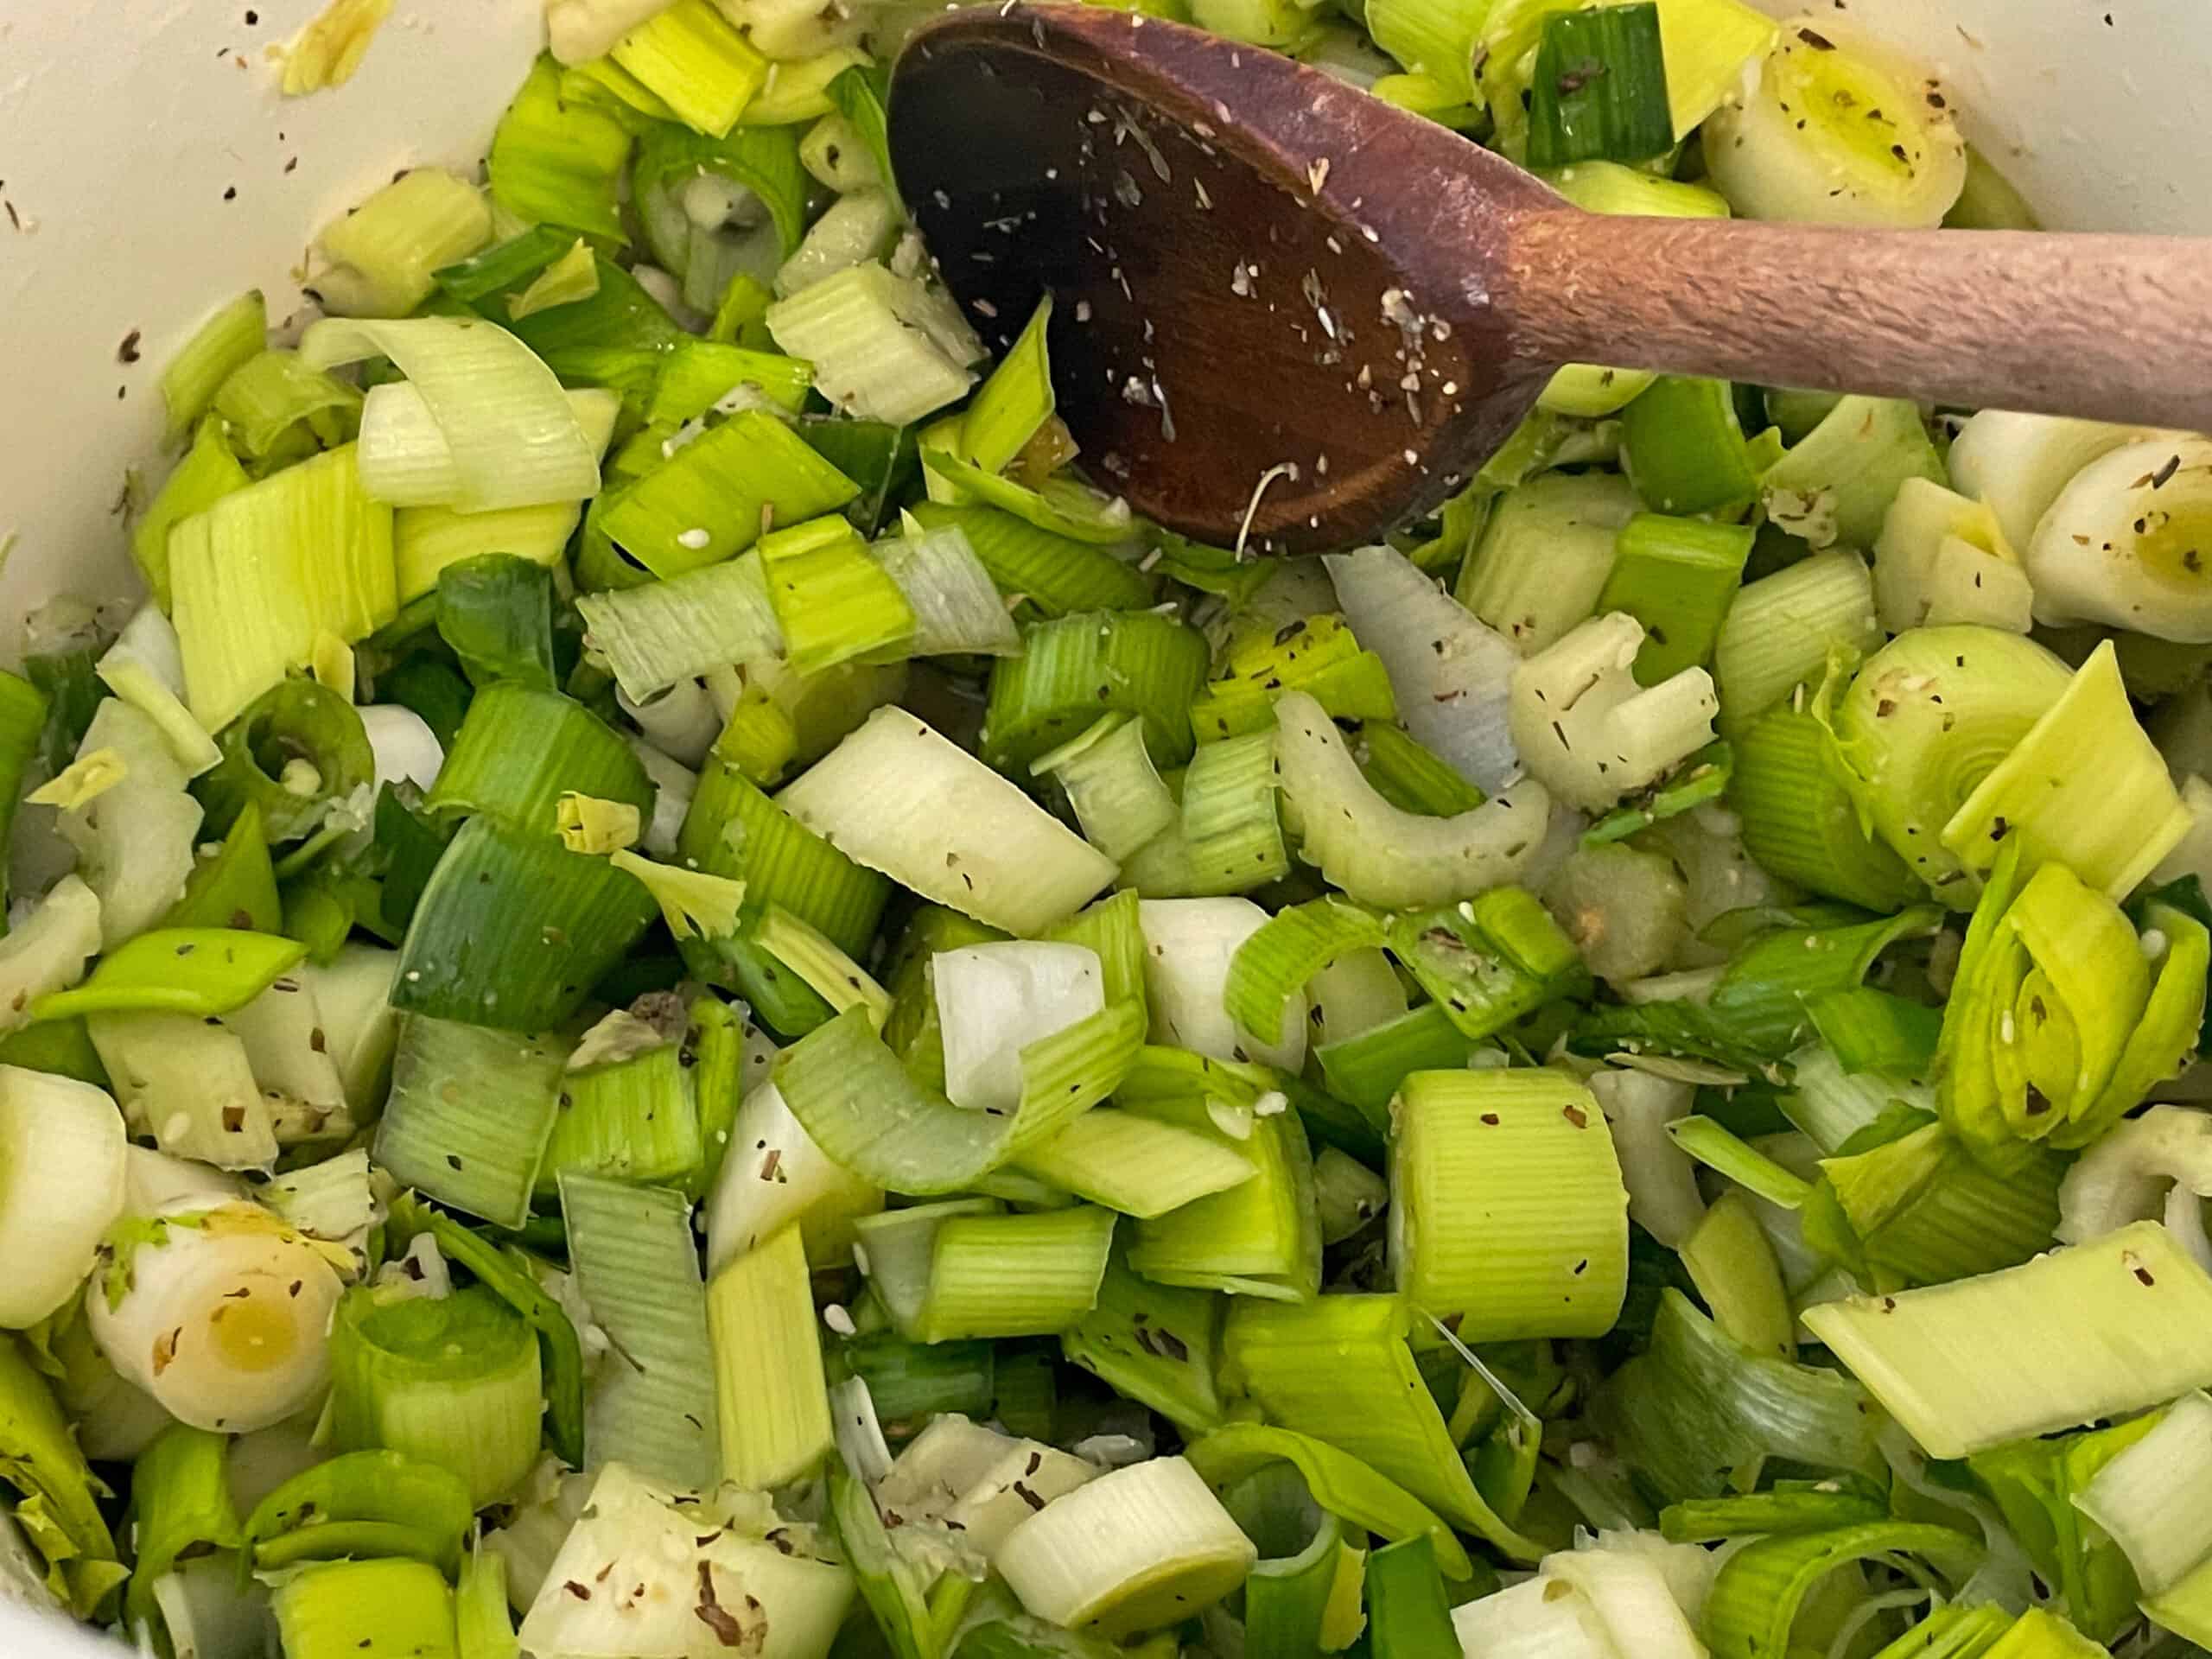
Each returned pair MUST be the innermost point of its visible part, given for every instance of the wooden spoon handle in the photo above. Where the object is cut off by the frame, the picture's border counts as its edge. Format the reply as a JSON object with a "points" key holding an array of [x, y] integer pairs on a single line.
{"points": [[2112, 328]]}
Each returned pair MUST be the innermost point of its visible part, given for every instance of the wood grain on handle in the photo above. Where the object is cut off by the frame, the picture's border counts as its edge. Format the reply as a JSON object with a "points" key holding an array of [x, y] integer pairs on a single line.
{"points": [[2113, 328]]}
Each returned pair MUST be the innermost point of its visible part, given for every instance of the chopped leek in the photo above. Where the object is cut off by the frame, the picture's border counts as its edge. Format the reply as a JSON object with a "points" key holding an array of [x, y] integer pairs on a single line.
{"points": [[768, 1362], [382, 255], [2088, 1331], [1837, 133], [1509, 1217]]}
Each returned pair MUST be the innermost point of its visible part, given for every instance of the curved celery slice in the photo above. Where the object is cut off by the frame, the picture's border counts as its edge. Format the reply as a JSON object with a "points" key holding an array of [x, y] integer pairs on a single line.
{"points": [[1377, 854]]}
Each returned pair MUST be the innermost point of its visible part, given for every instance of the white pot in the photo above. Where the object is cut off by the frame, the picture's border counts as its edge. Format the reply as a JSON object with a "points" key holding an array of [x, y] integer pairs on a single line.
{"points": [[151, 172]]}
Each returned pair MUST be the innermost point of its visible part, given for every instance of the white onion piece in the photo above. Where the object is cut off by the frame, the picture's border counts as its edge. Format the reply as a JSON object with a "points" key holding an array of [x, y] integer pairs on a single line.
{"points": [[2128, 542], [1451, 672], [995, 999], [2128, 1175], [62, 1148], [674, 784], [1189, 943], [406, 749], [1660, 1178], [682, 723], [47, 952], [223, 1318], [774, 1174]]}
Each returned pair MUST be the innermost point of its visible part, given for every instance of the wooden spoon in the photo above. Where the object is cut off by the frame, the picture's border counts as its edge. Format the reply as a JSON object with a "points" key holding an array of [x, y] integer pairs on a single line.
{"points": [[1289, 315]]}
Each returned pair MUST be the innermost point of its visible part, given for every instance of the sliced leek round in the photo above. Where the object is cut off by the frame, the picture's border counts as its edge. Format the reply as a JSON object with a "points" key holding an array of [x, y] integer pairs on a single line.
{"points": [[1135, 1549], [1838, 131], [223, 1316], [2128, 542], [2020, 464]]}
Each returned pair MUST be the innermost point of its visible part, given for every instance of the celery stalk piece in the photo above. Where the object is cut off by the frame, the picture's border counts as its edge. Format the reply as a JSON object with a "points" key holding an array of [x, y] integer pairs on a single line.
{"points": [[1378, 855], [1807, 144], [1545, 554], [450, 1381], [1587, 731], [2084, 786], [1509, 1214], [1454, 700], [2088, 1331], [1132, 1550], [898, 798], [1676, 577], [637, 1266], [767, 1362], [1685, 449], [256, 577], [61, 1186]]}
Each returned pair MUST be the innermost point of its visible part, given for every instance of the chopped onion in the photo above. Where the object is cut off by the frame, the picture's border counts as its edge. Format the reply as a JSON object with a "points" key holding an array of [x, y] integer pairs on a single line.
{"points": [[995, 999], [1188, 945], [62, 1155]]}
